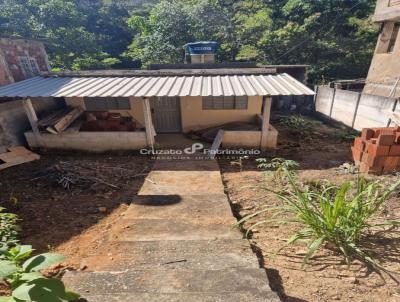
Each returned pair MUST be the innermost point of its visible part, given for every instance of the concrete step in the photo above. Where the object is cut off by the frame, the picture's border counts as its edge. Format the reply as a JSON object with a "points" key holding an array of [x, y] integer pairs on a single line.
{"points": [[168, 229], [239, 280], [201, 254], [213, 208], [186, 297], [186, 164], [183, 178]]}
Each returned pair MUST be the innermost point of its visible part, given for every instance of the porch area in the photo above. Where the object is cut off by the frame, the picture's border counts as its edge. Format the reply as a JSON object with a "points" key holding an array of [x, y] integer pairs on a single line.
{"points": [[150, 105]]}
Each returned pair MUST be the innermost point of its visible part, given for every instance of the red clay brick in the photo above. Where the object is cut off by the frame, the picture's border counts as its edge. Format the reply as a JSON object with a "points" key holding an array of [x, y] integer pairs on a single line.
{"points": [[367, 134], [386, 130], [376, 150], [357, 154], [359, 143], [386, 139], [397, 139], [394, 150], [364, 168], [391, 163], [375, 162]]}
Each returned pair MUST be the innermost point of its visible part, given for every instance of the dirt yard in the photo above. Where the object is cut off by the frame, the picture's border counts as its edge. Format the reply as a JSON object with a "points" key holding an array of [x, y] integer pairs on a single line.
{"points": [[67, 202], [319, 152]]}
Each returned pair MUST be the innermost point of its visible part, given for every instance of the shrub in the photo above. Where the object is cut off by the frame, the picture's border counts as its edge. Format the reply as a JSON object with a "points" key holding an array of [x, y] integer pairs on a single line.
{"points": [[8, 228], [25, 279], [279, 165], [338, 216], [297, 124]]}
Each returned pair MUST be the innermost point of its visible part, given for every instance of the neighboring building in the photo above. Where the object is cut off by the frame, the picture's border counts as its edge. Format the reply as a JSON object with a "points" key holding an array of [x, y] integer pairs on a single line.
{"points": [[21, 59], [384, 74]]}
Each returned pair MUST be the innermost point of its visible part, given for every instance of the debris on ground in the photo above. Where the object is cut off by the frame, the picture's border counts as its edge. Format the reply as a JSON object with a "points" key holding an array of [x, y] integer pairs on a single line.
{"points": [[16, 156], [85, 175], [59, 120]]}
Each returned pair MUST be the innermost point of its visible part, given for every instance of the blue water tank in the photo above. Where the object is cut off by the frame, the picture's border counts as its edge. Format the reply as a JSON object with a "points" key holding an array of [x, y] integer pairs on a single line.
{"points": [[201, 48]]}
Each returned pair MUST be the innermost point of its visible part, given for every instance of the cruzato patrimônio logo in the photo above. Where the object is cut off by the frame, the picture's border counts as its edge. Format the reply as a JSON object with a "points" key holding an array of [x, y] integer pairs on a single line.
{"points": [[198, 150]]}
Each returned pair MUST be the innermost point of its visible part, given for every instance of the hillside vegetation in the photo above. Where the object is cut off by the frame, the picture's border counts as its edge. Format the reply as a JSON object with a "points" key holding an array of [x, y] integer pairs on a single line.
{"points": [[335, 37]]}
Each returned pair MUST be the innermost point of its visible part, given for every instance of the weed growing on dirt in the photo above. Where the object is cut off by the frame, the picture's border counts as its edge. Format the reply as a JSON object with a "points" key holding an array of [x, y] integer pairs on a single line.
{"points": [[27, 283], [298, 125], [239, 162], [335, 216], [8, 228], [279, 165]]}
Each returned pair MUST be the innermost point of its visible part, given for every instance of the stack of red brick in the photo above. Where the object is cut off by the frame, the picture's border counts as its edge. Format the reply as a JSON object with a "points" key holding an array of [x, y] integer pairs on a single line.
{"points": [[377, 150]]}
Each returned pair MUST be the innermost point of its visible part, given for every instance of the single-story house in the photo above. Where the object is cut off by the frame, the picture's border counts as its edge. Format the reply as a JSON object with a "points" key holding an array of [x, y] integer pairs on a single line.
{"points": [[158, 101]]}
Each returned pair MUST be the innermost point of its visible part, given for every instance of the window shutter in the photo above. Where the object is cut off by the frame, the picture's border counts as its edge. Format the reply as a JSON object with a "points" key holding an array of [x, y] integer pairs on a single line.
{"points": [[207, 103], [218, 102], [105, 104], [229, 102], [241, 102]]}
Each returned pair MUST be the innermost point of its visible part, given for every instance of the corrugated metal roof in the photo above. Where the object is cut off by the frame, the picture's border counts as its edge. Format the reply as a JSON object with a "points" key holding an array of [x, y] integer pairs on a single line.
{"points": [[229, 85]]}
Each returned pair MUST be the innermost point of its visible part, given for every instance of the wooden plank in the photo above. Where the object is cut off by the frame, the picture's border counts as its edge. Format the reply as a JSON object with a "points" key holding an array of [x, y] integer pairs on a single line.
{"points": [[32, 117], [75, 126], [265, 122], [148, 123], [68, 119], [16, 156], [217, 143]]}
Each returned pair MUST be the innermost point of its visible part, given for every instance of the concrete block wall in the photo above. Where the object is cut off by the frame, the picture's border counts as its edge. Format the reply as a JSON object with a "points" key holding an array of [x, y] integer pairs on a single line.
{"points": [[354, 109]]}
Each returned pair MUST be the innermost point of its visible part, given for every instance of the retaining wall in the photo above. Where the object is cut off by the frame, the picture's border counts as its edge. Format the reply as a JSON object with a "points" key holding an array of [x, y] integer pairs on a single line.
{"points": [[354, 109]]}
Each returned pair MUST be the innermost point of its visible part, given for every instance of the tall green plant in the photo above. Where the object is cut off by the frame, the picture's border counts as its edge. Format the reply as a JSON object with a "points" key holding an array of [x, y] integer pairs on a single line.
{"points": [[334, 215], [8, 228], [24, 277]]}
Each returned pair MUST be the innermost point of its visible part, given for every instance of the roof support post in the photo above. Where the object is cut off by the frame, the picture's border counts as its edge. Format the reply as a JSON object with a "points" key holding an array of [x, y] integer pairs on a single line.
{"points": [[33, 120], [150, 133], [266, 114]]}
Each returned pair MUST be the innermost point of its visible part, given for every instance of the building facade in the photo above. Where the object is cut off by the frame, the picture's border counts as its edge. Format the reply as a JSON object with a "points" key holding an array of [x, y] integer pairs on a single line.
{"points": [[21, 59], [384, 74]]}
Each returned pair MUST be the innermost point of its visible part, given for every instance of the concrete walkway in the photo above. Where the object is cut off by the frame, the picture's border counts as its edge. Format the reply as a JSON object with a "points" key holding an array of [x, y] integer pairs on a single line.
{"points": [[176, 244]]}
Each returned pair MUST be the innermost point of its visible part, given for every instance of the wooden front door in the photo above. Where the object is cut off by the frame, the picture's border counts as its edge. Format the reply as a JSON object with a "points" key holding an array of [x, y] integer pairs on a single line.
{"points": [[167, 114]]}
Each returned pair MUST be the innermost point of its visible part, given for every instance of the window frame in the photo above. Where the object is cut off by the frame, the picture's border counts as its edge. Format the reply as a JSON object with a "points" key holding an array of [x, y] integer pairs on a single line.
{"points": [[107, 103], [225, 102], [29, 66]]}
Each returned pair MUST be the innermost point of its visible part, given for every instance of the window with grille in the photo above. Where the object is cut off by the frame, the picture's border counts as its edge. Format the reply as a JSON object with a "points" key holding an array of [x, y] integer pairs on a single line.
{"points": [[105, 104], [29, 66], [224, 102]]}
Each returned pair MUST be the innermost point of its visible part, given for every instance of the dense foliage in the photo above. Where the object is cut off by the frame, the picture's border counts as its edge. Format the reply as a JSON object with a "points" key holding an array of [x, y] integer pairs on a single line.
{"points": [[27, 283], [335, 37]]}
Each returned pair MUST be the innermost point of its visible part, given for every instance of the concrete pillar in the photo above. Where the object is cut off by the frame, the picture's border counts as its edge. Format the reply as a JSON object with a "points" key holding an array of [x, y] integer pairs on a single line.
{"points": [[266, 114]]}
